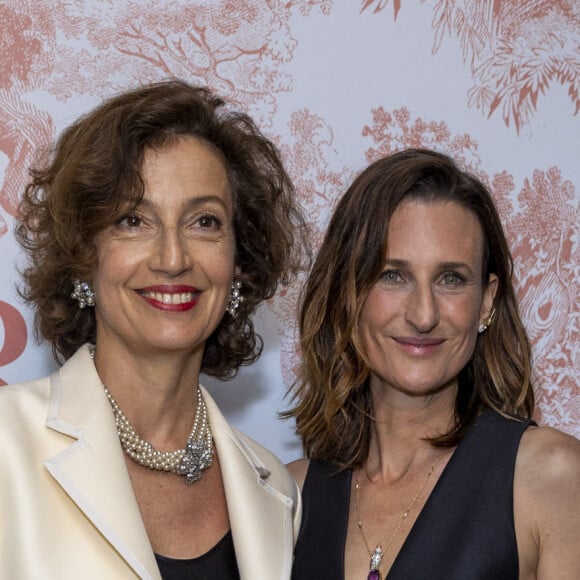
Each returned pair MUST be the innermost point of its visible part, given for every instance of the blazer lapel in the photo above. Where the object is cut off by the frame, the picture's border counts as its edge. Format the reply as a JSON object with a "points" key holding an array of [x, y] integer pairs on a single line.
{"points": [[260, 515], [91, 469]]}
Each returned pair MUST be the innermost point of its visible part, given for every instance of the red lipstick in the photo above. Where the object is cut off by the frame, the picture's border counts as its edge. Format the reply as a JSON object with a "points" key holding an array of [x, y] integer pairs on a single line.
{"points": [[171, 298]]}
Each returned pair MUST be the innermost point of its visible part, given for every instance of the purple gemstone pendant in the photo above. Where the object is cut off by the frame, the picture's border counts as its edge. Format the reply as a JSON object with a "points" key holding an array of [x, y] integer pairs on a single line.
{"points": [[376, 558]]}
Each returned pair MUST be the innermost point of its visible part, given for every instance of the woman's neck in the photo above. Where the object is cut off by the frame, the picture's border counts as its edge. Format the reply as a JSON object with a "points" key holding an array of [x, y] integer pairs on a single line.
{"points": [[157, 392], [401, 428]]}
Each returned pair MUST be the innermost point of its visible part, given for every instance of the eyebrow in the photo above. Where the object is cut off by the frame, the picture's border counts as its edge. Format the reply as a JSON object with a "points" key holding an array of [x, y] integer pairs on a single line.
{"points": [[191, 202], [442, 265]]}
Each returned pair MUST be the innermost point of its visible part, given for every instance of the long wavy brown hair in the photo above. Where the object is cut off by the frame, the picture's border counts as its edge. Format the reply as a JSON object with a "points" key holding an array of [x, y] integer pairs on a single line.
{"points": [[81, 185], [332, 403]]}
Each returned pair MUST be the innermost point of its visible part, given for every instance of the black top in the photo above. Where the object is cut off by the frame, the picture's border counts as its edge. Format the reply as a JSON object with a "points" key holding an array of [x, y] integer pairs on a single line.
{"points": [[465, 531], [219, 563]]}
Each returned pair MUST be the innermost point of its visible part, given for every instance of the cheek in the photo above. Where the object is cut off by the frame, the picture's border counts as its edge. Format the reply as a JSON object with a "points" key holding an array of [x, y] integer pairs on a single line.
{"points": [[382, 306], [114, 269], [463, 321], [462, 311], [464, 318], [376, 312], [365, 320], [101, 279], [109, 269], [219, 267]]}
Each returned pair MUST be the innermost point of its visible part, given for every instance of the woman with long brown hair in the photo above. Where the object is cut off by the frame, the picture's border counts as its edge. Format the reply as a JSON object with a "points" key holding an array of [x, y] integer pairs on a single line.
{"points": [[415, 398]]}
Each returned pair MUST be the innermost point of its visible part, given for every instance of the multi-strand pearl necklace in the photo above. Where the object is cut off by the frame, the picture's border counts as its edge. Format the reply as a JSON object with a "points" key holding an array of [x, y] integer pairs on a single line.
{"points": [[189, 462]]}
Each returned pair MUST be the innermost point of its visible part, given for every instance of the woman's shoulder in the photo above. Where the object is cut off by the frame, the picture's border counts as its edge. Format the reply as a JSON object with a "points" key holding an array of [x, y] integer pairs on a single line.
{"points": [[16, 394], [548, 466], [257, 451], [266, 462], [23, 412], [549, 456], [548, 463], [546, 500]]}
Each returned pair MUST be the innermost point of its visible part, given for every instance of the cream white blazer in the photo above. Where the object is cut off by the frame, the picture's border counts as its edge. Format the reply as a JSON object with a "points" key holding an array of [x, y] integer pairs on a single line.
{"points": [[67, 509]]}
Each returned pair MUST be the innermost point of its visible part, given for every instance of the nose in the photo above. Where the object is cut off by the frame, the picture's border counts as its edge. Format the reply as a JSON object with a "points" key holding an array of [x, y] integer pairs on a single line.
{"points": [[422, 310], [171, 255]]}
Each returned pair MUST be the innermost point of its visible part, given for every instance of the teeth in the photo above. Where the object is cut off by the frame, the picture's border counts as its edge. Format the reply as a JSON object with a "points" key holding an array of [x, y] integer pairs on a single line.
{"points": [[167, 298]]}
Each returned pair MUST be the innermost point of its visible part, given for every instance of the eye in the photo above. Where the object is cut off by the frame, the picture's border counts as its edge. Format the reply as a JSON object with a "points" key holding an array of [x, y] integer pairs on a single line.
{"points": [[452, 279], [391, 276], [130, 221], [209, 222], [133, 221]]}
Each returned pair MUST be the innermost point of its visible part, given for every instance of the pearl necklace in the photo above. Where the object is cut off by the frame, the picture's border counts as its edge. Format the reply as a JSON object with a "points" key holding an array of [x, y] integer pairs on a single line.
{"points": [[189, 462]]}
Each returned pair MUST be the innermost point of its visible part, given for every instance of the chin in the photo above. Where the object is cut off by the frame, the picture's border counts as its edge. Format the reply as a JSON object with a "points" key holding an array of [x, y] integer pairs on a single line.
{"points": [[424, 389], [174, 345]]}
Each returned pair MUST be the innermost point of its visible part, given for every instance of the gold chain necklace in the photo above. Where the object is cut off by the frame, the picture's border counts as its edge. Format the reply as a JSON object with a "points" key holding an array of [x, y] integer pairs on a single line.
{"points": [[378, 553]]}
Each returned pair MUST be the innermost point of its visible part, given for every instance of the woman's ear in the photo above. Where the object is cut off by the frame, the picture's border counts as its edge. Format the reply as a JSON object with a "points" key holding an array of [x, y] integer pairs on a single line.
{"points": [[489, 292]]}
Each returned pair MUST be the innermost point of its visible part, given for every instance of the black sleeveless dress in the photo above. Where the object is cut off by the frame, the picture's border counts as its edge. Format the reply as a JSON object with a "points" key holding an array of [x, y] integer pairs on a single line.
{"points": [[464, 532]]}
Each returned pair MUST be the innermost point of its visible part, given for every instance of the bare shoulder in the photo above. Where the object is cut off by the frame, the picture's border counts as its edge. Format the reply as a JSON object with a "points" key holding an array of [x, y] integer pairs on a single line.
{"points": [[298, 470], [549, 457], [546, 500]]}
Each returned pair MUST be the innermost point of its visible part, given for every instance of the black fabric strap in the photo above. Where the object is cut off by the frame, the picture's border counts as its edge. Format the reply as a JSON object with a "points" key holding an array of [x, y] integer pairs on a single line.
{"points": [[320, 547]]}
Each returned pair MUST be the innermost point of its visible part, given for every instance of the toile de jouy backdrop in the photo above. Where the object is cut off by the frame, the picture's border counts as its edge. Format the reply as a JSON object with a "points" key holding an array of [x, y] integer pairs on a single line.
{"points": [[335, 83]]}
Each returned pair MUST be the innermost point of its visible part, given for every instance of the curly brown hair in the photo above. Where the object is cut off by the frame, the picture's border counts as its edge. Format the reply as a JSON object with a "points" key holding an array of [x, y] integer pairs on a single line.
{"points": [[81, 185], [333, 409]]}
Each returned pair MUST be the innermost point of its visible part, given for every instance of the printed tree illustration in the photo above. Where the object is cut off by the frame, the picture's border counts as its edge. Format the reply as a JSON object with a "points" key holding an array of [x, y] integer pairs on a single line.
{"points": [[311, 161], [23, 128], [516, 50], [544, 238], [238, 48]]}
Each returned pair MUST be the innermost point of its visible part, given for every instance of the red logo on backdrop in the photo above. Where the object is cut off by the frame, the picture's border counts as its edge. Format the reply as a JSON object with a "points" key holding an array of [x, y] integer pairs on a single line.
{"points": [[15, 335]]}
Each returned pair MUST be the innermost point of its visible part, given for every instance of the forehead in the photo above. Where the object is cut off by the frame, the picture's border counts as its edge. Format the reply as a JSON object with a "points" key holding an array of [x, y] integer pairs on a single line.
{"points": [[435, 229], [185, 167]]}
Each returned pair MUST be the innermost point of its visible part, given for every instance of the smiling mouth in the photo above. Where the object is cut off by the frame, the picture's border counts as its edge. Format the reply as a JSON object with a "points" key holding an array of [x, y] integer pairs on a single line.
{"points": [[418, 346], [419, 343], [170, 297]]}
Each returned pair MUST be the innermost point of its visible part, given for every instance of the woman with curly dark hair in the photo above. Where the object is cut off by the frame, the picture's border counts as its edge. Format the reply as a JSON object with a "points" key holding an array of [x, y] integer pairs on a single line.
{"points": [[415, 398], [155, 227]]}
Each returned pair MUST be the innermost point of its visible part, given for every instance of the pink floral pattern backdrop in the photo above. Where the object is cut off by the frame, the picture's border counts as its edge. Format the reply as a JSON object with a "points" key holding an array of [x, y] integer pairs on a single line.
{"points": [[335, 84]]}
